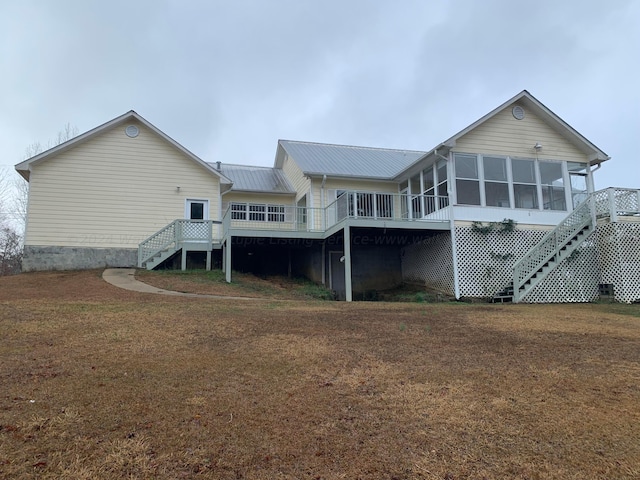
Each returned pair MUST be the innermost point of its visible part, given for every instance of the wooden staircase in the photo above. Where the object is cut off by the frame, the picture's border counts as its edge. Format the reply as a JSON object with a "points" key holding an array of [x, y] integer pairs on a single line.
{"points": [[544, 257], [179, 235]]}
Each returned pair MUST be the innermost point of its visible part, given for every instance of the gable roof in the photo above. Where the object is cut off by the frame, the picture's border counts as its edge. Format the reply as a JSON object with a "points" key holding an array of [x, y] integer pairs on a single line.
{"points": [[256, 179], [525, 99], [24, 167], [317, 159]]}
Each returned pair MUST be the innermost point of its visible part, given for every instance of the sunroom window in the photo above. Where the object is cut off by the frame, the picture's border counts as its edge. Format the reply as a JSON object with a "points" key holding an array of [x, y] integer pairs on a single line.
{"points": [[525, 191], [441, 184], [429, 190], [467, 182], [496, 182], [553, 197]]}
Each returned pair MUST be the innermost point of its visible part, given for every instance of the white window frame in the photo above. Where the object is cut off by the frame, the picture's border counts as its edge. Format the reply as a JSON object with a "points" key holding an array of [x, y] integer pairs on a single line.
{"points": [[187, 207]]}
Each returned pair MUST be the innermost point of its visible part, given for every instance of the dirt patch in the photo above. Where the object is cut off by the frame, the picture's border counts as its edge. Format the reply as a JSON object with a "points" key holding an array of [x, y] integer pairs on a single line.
{"points": [[99, 383]]}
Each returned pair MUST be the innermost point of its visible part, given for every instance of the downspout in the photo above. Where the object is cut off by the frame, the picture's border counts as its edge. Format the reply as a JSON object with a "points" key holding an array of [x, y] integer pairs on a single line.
{"points": [[592, 184]]}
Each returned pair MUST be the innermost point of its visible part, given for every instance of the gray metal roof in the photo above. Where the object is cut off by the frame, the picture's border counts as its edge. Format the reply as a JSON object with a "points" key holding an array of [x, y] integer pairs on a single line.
{"points": [[349, 161], [256, 179]]}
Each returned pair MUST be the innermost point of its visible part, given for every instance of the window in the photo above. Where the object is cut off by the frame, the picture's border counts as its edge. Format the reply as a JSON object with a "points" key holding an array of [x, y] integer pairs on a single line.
{"points": [[467, 183], [553, 194], [275, 213], [256, 213], [302, 210], [238, 211], [578, 177], [441, 184], [496, 182], [429, 190], [416, 199], [525, 193]]}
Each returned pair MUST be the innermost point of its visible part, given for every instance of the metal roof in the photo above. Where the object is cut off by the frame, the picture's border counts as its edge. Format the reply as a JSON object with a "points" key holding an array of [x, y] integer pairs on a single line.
{"points": [[349, 161], [256, 179]]}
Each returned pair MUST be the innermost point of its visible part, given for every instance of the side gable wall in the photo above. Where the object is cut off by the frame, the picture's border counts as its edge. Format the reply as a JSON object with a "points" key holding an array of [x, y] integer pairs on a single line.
{"points": [[300, 183], [114, 191], [504, 135]]}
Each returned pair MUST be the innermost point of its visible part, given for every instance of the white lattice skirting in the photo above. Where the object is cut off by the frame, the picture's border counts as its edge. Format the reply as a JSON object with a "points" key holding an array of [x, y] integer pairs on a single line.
{"points": [[486, 261], [619, 258]]}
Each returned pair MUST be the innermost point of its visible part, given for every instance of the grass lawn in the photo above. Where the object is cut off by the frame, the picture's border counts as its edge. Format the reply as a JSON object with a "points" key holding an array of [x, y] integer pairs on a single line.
{"points": [[101, 383]]}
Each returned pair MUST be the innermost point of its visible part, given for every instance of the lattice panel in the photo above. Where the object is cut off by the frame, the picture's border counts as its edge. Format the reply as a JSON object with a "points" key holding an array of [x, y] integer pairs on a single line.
{"points": [[619, 249], [430, 263], [485, 262], [575, 279]]}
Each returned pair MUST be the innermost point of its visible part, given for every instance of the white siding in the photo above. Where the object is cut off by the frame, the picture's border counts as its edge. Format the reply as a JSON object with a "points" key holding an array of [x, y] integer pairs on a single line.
{"points": [[300, 183], [114, 191], [504, 135]]}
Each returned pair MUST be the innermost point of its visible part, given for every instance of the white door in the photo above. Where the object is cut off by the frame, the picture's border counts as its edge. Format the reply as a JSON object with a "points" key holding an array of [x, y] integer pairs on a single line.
{"points": [[197, 230]]}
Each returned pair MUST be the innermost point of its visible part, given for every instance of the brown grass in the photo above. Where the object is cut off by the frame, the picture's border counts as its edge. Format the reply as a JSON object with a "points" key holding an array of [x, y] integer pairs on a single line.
{"points": [[101, 383]]}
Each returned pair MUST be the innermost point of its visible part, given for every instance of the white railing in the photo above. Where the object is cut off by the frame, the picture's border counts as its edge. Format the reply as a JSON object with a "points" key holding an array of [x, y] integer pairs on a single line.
{"points": [[177, 233], [260, 216], [551, 244], [350, 205], [386, 206], [617, 202]]}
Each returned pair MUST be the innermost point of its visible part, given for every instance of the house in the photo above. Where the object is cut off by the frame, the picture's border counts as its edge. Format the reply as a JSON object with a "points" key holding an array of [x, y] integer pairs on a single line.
{"points": [[504, 209]]}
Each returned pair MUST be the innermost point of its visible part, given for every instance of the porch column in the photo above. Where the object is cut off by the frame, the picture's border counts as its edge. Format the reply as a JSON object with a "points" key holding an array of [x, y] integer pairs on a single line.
{"points": [[347, 264], [324, 261], [227, 259], [183, 259], [208, 260]]}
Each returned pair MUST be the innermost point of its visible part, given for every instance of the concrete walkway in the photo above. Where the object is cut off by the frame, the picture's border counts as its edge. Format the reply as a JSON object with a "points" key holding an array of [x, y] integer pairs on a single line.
{"points": [[125, 278]]}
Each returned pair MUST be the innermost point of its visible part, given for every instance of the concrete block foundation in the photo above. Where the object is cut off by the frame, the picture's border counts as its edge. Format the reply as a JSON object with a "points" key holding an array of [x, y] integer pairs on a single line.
{"points": [[41, 258]]}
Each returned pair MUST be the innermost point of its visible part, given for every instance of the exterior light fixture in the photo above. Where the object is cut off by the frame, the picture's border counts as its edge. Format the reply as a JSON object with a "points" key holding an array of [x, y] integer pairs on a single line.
{"points": [[538, 146]]}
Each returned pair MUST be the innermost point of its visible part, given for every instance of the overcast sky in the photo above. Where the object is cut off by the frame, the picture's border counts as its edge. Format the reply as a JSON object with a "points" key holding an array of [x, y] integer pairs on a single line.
{"points": [[227, 79]]}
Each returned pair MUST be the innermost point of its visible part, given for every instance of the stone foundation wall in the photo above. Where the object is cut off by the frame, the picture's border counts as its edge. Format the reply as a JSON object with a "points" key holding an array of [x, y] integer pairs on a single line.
{"points": [[38, 258]]}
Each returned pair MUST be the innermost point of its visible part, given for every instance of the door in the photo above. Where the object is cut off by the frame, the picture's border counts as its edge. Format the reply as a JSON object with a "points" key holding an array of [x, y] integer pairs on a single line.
{"points": [[197, 230], [336, 274]]}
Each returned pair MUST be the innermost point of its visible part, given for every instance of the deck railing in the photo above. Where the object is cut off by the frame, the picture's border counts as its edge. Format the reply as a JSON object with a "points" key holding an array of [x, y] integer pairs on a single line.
{"points": [[386, 206], [616, 202], [350, 205]]}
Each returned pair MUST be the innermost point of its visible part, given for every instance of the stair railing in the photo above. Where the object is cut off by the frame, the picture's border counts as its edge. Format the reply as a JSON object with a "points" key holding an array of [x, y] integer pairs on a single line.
{"points": [[551, 244], [158, 242]]}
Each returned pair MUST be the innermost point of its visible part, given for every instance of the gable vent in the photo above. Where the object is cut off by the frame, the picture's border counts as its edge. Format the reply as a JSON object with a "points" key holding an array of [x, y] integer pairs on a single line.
{"points": [[518, 112], [132, 131]]}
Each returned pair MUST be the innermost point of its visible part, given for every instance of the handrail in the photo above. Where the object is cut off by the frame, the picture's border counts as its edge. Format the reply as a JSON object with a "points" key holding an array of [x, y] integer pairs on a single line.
{"points": [[551, 243], [174, 234]]}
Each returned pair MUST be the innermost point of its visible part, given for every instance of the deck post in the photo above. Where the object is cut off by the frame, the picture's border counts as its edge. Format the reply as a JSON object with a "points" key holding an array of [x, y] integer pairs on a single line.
{"points": [[347, 264], [227, 257], [183, 259], [208, 260]]}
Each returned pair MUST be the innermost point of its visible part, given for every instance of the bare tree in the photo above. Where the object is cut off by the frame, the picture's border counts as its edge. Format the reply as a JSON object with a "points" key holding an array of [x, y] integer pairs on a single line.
{"points": [[10, 251]]}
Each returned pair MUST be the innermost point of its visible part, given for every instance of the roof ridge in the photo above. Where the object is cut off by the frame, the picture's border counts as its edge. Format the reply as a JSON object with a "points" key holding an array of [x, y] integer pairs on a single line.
{"points": [[362, 147], [223, 164]]}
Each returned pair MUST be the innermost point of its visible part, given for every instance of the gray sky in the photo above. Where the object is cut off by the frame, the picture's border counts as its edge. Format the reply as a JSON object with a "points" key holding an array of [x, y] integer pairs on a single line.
{"points": [[227, 79]]}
